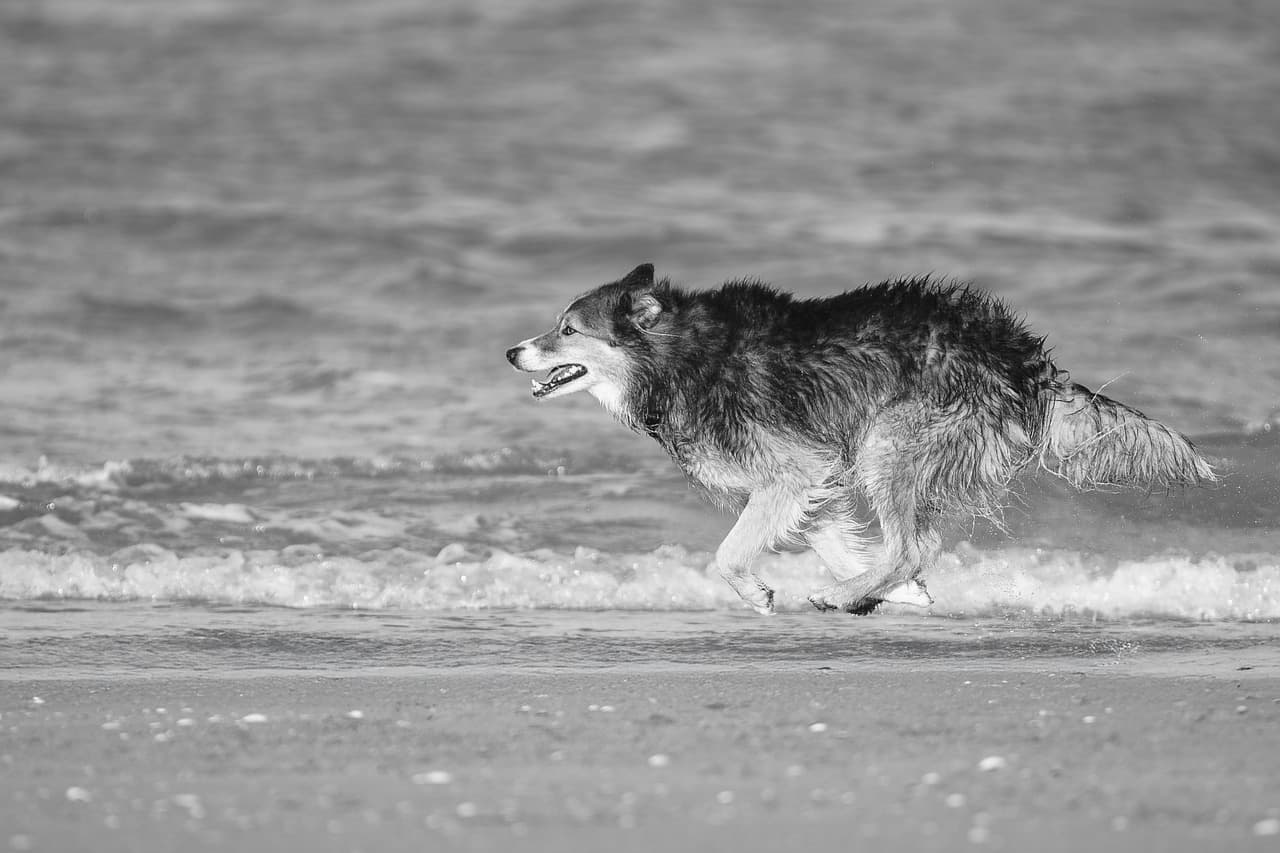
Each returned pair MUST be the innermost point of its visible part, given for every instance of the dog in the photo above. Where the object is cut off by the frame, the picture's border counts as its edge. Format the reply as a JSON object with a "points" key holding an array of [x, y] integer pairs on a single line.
{"points": [[917, 399]]}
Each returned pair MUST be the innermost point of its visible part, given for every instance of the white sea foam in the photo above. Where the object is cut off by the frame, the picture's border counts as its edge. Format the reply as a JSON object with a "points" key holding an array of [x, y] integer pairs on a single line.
{"points": [[230, 513], [108, 475], [1014, 581]]}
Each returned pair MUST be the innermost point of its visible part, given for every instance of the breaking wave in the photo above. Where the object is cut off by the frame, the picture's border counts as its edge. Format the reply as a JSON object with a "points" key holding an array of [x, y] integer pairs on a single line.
{"points": [[532, 528], [1012, 582]]}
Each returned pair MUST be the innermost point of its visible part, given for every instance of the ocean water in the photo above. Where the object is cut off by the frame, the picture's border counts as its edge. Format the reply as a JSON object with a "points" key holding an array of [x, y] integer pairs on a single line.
{"points": [[259, 264]]}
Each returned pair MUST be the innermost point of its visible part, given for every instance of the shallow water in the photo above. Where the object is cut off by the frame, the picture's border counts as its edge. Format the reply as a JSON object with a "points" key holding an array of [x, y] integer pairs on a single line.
{"points": [[101, 640], [561, 532], [258, 266]]}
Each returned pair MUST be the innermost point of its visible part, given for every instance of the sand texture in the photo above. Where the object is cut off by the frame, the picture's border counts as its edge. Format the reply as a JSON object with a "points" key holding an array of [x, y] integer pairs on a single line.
{"points": [[923, 757]]}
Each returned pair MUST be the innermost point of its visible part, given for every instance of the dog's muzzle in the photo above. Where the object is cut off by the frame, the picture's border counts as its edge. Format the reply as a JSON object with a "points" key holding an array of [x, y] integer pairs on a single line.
{"points": [[561, 374]]}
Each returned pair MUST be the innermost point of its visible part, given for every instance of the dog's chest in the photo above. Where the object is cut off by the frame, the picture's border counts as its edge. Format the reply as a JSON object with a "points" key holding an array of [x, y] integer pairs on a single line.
{"points": [[712, 468]]}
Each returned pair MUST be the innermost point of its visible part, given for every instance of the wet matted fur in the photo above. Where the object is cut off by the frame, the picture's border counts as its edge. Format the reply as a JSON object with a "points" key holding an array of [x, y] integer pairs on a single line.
{"points": [[917, 399]]}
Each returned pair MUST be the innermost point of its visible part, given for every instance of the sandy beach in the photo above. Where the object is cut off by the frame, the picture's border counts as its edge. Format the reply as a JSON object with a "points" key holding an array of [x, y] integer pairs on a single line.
{"points": [[925, 757]]}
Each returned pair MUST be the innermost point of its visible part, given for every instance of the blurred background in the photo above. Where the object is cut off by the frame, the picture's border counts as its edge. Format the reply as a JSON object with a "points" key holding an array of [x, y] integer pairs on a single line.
{"points": [[259, 263], [310, 228]]}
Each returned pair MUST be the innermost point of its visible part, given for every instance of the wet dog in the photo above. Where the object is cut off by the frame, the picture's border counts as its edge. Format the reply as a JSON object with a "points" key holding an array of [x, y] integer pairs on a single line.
{"points": [[916, 399]]}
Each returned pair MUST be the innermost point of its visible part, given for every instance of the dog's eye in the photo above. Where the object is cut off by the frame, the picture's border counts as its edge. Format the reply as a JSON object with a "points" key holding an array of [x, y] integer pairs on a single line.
{"points": [[568, 330]]}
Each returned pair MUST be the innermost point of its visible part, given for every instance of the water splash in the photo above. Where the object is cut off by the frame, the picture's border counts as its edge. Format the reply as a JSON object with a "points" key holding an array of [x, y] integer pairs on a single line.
{"points": [[1025, 582]]}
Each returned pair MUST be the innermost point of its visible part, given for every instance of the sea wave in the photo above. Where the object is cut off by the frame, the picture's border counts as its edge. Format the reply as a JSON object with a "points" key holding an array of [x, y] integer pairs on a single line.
{"points": [[501, 461], [1014, 582], [1249, 456]]}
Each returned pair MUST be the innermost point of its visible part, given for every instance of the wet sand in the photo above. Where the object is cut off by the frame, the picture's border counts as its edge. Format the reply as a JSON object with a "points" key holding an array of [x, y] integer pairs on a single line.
{"points": [[917, 756]]}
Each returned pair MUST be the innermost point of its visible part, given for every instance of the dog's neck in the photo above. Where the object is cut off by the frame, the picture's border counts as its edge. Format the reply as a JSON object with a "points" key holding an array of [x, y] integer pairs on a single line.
{"points": [[614, 399]]}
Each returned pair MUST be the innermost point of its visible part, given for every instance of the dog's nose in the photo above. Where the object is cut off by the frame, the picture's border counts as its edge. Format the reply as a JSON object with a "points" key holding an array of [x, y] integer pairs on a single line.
{"points": [[512, 355]]}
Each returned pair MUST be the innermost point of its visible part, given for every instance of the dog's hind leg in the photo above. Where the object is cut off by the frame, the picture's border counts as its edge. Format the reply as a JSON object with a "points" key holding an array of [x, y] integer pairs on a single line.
{"points": [[847, 556], [839, 543], [911, 538], [771, 515], [894, 580]]}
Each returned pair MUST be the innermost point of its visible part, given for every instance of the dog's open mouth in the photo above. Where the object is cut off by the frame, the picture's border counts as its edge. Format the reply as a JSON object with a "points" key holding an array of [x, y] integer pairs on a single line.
{"points": [[558, 376]]}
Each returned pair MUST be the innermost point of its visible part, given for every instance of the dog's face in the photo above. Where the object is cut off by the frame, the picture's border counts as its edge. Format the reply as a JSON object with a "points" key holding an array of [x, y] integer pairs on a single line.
{"points": [[586, 349]]}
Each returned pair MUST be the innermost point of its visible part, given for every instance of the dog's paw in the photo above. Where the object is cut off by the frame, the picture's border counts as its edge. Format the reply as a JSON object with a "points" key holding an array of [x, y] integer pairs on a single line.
{"points": [[827, 598], [753, 591], [821, 603], [765, 607], [833, 598], [862, 607], [910, 592]]}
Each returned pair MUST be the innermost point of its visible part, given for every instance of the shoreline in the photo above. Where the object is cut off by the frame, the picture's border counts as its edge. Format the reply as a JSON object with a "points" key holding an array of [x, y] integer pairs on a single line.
{"points": [[925, 755]]}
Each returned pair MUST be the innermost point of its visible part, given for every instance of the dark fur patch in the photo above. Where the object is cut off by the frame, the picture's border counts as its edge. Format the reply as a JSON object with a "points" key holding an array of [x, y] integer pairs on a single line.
{"points": [[719, 364]]}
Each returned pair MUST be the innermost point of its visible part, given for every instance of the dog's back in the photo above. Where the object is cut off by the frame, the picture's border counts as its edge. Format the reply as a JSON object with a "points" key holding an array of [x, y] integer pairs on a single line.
{"points": [[744, 361]]}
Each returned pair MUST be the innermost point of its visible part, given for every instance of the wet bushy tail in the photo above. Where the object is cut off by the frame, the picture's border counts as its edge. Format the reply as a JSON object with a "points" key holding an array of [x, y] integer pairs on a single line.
{"points": [[1097, 442]]}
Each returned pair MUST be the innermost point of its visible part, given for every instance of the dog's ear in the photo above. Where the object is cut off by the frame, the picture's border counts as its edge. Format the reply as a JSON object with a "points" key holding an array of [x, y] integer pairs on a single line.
{"points": [[641, 276], [645, 309]]}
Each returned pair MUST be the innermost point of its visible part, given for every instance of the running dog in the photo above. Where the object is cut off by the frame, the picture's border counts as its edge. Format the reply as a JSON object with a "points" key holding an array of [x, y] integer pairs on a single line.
{"points": [[914, 398]]}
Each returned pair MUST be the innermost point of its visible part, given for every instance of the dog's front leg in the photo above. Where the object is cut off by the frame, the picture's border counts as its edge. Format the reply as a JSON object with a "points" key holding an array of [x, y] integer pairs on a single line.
{"points": [[771, 514]]}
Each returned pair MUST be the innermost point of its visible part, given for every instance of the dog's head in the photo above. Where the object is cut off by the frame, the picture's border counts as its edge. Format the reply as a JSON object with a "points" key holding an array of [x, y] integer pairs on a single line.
{"points": [[587, 349]]}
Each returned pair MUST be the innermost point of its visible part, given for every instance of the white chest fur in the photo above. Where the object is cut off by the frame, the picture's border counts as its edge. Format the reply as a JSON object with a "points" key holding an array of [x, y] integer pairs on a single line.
{"points": [[610, 396]]}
